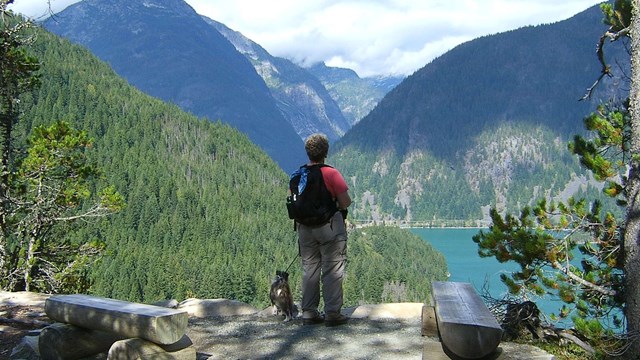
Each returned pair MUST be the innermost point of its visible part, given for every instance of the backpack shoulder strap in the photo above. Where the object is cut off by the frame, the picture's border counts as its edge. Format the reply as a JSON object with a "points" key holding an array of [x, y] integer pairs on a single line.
{"points": [[297, 186], [298, 171], [302, 172]]}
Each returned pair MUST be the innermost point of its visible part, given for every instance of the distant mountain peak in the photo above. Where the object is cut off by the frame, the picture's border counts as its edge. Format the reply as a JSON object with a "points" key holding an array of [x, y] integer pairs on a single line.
{"points": [[301, 97]]}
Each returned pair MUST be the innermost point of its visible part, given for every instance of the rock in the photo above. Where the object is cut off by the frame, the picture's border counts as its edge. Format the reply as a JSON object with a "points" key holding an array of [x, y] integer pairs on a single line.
{"points": [[65, 341], [139, 349], [216, 307], [521, 318], [389, 311], [514, 351], [171, 303], [27, 349], [429, 321]]}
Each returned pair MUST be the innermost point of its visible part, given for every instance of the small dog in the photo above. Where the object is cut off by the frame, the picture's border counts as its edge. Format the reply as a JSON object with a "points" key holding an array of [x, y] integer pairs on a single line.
{"points": [[280, 295]]}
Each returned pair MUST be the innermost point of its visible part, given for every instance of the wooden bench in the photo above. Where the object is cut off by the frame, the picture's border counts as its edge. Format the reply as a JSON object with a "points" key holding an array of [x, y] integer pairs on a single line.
{"points": [[128, 330], [465, 325]]}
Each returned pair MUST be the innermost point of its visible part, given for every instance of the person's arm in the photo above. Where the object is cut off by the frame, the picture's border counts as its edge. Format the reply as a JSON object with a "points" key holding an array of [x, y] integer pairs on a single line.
{"points": [[336, 185], [344, 200]]}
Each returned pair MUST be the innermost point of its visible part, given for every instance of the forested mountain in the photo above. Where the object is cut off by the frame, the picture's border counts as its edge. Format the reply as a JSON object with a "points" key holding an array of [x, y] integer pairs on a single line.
{"points": [[168, 51], [205, 214], [301, 97], [356, 96], [485, 124]]}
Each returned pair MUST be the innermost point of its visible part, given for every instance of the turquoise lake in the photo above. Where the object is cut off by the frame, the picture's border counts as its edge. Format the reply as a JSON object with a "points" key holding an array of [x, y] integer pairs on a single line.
{"points": [[465, 265]]}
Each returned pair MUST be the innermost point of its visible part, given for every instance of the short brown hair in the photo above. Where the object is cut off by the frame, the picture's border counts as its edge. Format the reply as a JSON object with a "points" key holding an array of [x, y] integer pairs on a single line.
{"points": [[317, 147]]}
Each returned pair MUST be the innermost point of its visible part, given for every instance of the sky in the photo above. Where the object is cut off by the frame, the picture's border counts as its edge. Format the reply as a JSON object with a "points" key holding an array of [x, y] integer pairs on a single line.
{"points": [[372, 37]]}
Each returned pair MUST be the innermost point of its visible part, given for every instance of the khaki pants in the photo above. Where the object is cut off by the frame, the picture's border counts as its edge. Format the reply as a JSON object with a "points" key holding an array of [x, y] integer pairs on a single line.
{"points": [[323, 250]]}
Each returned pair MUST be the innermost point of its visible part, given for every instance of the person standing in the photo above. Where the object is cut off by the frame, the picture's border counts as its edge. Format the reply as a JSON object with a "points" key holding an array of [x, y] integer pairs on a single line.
{"points": [[323, 247]]}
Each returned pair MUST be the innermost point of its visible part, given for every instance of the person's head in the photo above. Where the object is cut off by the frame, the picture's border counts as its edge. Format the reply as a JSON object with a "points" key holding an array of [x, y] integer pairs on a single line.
{"points": [[317, 147]]}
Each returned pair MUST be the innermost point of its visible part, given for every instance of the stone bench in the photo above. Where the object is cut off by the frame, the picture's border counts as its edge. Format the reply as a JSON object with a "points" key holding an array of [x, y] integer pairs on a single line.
{"points": [[92, 325], [465, 325]]}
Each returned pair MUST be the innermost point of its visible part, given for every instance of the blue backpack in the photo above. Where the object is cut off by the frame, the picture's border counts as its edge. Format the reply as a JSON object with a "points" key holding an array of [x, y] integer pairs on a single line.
{"points": [[310, 202]]}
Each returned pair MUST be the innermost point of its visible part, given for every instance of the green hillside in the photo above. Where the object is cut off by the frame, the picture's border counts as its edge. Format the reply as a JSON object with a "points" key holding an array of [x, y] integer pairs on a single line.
{"points": [[205, 212], [484, 125]]}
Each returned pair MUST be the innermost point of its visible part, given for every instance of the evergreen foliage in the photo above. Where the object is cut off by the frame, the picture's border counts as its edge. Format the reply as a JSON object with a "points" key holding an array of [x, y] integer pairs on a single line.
{"points": [[506, 167], [45, 191], [389, 264], [50, 194]]}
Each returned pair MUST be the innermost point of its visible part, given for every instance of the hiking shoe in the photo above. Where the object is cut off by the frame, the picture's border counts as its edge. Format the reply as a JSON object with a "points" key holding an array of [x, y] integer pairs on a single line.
{"points": [[335, 321], [318, 319]]}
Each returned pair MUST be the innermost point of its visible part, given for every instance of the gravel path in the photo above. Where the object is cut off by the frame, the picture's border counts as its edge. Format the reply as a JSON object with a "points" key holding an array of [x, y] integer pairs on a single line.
{"points": [[253, 337]]}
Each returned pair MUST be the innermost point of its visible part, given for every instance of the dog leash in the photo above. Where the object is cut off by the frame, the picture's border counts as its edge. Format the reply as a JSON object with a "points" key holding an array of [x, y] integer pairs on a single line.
{"points": [[294, 260], [295, 257]]}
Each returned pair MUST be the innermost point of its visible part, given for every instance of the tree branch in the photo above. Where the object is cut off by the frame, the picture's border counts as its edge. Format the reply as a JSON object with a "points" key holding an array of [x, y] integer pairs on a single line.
{"points": [[582, 281], [606, 69]]}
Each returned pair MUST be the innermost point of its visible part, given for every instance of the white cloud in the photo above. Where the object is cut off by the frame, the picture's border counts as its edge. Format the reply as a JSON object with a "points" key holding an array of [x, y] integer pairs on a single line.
{"points": [[370, 37], [379, 37], [40, 9]]}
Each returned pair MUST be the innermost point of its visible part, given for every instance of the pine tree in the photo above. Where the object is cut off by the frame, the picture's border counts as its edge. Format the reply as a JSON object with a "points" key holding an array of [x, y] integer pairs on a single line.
{"points": [[44, 191]]}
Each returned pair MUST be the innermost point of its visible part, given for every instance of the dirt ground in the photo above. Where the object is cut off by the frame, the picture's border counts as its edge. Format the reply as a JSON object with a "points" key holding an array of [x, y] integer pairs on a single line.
{"points": [[20, 314], [15, 323]]}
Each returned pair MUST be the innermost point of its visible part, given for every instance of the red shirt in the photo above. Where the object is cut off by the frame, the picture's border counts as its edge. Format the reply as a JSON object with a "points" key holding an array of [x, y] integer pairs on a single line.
{"points": [[334, 181]]}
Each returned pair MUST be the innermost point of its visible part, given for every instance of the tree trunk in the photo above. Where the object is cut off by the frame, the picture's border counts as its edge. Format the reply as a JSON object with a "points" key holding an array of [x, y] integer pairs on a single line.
{"points": [[632, 224], [5, 129], [30, 260], [7, 113]]}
